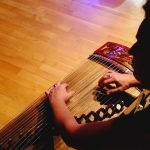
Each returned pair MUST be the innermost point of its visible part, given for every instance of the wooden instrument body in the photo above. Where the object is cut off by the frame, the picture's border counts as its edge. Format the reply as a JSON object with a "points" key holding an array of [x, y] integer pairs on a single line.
{"points": [[36, 123]]}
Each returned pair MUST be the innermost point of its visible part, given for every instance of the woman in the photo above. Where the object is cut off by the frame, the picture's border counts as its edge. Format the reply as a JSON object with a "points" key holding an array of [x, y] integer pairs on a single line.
{"points": [[124, 132]]}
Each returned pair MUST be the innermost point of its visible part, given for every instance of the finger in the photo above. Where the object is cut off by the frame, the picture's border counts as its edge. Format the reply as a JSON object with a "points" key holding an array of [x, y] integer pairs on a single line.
{"points": [[50, 90], [56, 84], [101, 84], [109, 81], [110, 71], [107, 76], [65, 85], [101, 81], [105, 82], [114, 90], [70, 94], [47, 93]]}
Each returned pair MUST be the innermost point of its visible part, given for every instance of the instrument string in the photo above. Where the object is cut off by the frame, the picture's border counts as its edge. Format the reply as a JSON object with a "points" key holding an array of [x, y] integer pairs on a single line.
{"points": [[20, 123], [104, 114], [34, 116], [88, 78], [34, 140], [116, 102], [116, 69], [39, 127], [99, 75], [84, 84], [83, 71], [9, 133], [75, 74], [42, 133], [90, 71], [106, 101], [110, 99]]}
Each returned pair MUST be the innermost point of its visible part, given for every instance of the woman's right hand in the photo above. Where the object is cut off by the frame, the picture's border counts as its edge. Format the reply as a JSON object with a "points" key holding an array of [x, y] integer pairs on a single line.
{"points": [[121, 81]]}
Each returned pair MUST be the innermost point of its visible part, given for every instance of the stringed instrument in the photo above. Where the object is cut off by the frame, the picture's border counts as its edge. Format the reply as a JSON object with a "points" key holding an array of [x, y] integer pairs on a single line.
{"points": [[90, 103]]}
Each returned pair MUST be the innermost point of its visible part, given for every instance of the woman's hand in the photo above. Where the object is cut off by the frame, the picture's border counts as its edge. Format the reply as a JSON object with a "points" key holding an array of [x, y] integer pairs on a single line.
{"points": [[59, 93], [121, 81]]}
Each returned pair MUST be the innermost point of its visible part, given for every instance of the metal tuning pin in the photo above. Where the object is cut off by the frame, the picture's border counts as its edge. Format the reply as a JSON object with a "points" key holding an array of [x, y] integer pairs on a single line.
{"points": [[98, 93], [110, 110], [10, 143], [28, 134], [1, 146], [90, 117], [20, 135], [80, 119], [100, 114], [77, 119], [119, 106]]}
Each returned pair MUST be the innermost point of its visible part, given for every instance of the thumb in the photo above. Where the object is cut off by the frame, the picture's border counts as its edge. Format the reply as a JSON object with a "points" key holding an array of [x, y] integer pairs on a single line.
{"points": [[70, 94], [47, 93]]}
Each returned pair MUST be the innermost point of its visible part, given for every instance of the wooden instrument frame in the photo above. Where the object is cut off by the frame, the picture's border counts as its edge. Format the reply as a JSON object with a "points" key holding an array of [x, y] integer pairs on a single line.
{"points": [[36, 122]]}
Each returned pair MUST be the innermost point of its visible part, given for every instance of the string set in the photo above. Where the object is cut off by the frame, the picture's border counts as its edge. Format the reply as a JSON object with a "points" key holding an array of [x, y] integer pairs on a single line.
{"points": [[111, 98], [88, 71]]}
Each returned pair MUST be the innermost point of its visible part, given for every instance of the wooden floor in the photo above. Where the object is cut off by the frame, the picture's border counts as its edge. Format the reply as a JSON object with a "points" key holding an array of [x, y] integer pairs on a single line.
{"points": [[41, 41]]}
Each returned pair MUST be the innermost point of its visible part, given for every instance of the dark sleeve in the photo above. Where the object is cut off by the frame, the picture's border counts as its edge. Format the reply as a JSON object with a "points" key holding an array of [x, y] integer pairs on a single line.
{"points": [[138, 122], [143, 39], [144, 32], [132, 130]]}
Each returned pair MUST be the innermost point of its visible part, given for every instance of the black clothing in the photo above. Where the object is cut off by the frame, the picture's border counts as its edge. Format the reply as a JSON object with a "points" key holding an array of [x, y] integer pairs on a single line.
{"points": [[141, 50], [134, 130]]}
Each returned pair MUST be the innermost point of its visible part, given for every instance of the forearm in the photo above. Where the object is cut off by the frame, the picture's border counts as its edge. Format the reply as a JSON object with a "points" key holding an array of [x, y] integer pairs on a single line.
{"points": [[63, 116], [77, 132], [65, 119], [66, 124]]}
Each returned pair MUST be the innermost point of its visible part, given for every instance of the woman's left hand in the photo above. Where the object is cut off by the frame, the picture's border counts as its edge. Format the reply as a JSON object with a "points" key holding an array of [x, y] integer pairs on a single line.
{"points": [[59, 93]]}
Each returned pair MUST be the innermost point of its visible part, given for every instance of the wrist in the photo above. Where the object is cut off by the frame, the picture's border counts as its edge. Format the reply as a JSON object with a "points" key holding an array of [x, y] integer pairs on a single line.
{"points": [[57, 101], [134, 81]]}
